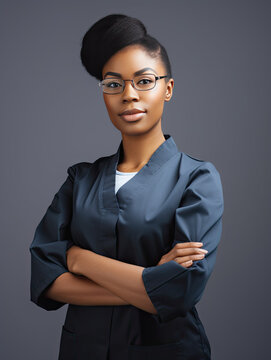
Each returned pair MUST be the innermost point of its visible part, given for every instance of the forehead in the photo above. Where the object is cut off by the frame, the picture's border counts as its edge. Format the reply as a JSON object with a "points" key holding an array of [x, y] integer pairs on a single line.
{"points": [[130, 60]]}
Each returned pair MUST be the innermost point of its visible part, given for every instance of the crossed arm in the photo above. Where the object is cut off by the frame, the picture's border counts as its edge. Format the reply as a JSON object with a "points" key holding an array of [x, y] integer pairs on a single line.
{"points": [[94, 279]]}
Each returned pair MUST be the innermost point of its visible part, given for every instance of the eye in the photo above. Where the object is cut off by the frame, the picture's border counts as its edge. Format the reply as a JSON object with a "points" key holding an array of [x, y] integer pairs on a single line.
{"points": [[145, 81], [112, 83]]}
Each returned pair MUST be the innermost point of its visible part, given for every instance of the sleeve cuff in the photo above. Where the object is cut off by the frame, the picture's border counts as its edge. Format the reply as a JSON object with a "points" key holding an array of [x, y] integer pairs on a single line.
{"points": [[160, 284], [37, 293]]}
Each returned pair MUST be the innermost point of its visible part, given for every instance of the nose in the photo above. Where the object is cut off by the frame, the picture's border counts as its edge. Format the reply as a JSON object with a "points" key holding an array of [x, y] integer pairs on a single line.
{"points": [[129, 92]]}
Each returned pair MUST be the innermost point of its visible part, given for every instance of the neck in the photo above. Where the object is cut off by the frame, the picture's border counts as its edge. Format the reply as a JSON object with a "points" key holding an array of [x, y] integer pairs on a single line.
{"points": [[137, 149]]}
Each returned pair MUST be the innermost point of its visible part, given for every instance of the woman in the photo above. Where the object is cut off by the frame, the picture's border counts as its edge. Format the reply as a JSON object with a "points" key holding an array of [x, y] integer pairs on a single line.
{"points": [[122, 241]]}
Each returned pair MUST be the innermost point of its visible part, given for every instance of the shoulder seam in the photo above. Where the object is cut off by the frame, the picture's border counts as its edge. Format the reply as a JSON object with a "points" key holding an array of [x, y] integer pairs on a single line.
{"points": [[73, 169]]}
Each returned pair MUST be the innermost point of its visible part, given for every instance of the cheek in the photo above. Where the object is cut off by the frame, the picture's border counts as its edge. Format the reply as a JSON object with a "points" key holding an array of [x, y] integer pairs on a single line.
{"points": [[155, 101], [110, 104]]}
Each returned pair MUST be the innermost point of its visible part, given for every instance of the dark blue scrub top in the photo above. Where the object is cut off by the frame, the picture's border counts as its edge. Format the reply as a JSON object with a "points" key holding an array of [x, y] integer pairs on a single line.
{"points": [[173, 198]]}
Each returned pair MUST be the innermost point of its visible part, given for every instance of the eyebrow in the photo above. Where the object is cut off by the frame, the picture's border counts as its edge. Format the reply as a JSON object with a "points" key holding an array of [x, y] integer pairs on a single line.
{"points": [[139, 72]]}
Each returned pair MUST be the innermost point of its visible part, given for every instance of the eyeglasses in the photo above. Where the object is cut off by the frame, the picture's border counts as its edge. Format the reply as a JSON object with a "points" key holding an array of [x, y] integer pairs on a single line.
{"points": [[142, 83]]}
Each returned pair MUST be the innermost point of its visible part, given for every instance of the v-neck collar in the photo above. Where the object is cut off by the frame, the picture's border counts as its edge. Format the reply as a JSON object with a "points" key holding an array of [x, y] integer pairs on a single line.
{"points": [[163, 153]]}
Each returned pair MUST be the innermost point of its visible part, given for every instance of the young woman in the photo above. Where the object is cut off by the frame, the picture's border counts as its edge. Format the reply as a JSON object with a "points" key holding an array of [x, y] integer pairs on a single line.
{"points": [[130, 240]]}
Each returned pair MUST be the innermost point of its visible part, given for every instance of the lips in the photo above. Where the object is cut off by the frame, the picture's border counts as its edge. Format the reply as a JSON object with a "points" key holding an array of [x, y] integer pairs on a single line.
{"points": [[132, 115], [132, 111]]}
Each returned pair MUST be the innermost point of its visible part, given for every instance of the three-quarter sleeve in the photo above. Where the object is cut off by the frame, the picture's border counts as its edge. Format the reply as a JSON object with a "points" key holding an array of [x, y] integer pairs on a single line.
{"points": [[172, 288], [51, 241]]}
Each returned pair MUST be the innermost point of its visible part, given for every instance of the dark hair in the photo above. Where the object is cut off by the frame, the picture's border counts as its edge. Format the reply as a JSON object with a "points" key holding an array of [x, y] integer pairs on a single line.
{"points": [[112, 33]]}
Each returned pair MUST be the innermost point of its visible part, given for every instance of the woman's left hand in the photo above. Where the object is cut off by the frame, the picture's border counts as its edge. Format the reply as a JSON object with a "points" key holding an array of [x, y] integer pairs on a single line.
{"points": [[73, 256]]}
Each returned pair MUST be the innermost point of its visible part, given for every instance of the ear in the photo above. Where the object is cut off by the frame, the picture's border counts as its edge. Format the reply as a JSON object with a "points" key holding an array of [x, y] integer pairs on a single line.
{"points": [[169, 89]]}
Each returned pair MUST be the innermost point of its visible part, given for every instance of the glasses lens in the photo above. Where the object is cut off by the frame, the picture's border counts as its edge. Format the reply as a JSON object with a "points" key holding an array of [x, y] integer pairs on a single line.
{"points": [[144, 82], [112, 86]]}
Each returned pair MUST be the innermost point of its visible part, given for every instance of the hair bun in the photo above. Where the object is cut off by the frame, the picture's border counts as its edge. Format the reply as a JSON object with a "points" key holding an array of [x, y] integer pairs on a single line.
{"points": [[107, 36]]}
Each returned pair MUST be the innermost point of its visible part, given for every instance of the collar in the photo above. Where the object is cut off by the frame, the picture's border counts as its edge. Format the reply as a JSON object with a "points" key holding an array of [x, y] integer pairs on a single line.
{"points": [[160, 156], [163, 153]]}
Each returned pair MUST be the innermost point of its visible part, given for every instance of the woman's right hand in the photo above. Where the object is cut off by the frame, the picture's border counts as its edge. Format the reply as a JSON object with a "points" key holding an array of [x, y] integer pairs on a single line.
{"points": [[184, 253]]}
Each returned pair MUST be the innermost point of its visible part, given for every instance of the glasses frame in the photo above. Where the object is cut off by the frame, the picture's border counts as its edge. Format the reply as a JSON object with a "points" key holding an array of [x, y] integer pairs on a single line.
{"points": [[100, 83]]}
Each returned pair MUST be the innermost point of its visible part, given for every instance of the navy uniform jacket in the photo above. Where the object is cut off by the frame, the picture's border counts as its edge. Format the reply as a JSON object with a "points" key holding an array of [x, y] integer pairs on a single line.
{"points": [[173, 198]]}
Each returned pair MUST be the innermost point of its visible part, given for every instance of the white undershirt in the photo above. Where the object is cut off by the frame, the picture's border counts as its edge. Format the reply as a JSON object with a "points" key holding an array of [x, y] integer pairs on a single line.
{"points": [[122, 178]]}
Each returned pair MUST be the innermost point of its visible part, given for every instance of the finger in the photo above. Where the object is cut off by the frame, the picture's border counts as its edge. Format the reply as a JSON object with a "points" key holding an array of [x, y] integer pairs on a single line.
{"points": [[187, 263], [190, 251], [188, 244], [183, 259]]}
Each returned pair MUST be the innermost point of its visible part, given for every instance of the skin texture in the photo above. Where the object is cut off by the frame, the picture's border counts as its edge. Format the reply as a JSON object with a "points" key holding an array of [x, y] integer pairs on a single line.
{"points": [[79, 290], [94, 279]]}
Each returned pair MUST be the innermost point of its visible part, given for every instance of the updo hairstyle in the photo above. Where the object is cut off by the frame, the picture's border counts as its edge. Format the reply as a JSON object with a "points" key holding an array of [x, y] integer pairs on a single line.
{"points": [[111, 34]]}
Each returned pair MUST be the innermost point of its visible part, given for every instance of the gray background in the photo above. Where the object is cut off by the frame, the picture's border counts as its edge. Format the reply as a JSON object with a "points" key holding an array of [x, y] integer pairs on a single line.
{"points": [[53, 115]]}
